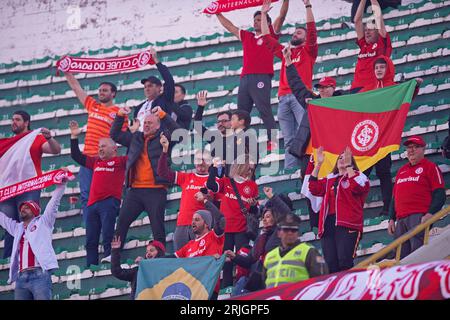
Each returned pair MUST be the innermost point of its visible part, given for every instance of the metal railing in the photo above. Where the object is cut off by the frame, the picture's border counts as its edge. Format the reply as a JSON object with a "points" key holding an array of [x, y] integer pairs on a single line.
{"points": [[397, 244]]}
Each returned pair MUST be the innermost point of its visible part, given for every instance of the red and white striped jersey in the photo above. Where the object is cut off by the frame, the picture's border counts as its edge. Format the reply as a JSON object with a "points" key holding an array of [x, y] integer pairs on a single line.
{"points": [[27, 259]]}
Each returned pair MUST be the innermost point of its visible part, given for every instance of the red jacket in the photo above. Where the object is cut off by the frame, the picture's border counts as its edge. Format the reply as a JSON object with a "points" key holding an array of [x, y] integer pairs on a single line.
{"points": [[350, 197], [388, 79]]}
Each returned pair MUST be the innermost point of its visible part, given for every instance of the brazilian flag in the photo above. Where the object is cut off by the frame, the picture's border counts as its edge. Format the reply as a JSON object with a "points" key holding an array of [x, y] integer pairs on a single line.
{"points": [[178, 278]]}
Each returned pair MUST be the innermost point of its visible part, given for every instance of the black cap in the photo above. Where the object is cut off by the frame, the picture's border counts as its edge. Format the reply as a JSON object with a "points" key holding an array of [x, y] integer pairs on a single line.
{"points": [[290, 220], [153, 80]]}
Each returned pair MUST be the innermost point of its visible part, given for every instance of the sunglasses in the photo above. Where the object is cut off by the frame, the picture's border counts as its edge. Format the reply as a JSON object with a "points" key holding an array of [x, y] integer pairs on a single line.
{"points": [[293, 229]]}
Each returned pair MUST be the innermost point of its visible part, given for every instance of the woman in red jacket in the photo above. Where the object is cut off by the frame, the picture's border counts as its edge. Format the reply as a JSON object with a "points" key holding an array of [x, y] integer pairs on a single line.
{"points": [[341, 214]]}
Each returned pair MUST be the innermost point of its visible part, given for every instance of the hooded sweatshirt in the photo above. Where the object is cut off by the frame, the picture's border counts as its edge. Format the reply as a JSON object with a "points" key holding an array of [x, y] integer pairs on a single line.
{"points": [[388, 79]]}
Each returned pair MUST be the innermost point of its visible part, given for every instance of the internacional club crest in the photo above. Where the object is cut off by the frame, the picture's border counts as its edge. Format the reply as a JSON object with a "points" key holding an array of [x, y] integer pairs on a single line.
{"points": [[64, 64], [212, 8], [144, 58], [365, 135], [419, 170]]}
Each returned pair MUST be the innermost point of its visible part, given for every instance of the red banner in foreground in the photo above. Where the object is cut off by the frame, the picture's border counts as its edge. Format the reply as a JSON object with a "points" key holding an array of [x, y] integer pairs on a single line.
{"points": [[427, 281], [230, 5], [40, 182], [91, 65]]}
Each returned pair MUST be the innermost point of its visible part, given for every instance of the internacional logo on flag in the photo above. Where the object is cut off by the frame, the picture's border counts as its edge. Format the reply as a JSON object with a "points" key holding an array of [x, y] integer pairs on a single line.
{"points": [[370, 123], [178, 278]]}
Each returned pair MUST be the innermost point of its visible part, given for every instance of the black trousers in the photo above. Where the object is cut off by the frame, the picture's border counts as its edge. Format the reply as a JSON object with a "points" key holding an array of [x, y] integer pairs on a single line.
{"points": [[339, 245], [255, 89], [383, 170], [233, 241], [151, 200]]}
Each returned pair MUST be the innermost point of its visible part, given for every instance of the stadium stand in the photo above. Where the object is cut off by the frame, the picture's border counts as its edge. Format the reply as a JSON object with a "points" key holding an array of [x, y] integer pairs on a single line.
{"points": [[420, 35]]}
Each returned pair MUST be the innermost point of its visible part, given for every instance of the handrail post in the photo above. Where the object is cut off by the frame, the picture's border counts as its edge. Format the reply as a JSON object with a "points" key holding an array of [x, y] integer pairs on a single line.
{"points": [[426, 238]]}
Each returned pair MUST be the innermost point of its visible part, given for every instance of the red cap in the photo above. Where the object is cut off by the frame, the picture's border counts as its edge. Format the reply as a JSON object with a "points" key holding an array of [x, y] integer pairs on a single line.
{"points": [[326, 82], [34, 207], [415, 139], [159, 245]]}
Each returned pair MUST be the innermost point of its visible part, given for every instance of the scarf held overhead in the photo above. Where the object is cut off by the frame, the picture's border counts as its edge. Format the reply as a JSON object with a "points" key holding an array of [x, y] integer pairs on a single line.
{"points": [[106, 65], [230, 5]]}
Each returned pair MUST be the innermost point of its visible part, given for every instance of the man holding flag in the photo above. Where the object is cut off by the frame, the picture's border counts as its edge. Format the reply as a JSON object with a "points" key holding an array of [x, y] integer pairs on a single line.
{"points": [[384, 73], [183, 280], [20, 159]]}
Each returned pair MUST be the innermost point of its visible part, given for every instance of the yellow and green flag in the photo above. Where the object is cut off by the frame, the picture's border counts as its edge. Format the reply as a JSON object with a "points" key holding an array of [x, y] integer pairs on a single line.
{"points": [[178, 278]]}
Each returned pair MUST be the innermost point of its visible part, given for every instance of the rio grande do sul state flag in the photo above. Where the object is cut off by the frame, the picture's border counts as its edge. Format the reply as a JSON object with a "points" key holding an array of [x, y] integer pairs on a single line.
{"points": [[371, 123]]}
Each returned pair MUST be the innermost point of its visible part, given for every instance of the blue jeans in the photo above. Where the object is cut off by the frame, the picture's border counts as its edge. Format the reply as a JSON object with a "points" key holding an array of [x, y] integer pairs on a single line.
{"points": [[85, 177], [10, 207], [290, 113], [34, 284], [239, 287], [100, 218]]}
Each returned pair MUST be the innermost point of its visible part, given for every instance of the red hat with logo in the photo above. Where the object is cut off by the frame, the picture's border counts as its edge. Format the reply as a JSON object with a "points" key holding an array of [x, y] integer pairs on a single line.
{"points": [[34, 207], [158, 244], [415, 139], [326, 82]]}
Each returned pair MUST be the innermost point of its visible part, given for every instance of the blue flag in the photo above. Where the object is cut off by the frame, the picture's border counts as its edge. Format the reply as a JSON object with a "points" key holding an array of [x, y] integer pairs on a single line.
{"points": [[178, 278]]}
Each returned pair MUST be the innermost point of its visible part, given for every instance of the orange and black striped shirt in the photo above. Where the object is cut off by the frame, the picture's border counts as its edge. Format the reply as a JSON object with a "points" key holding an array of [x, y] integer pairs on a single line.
{"points": [[100, 119]]}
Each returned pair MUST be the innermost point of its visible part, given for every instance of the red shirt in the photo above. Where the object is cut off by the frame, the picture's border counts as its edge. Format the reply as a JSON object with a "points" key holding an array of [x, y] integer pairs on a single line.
{"points": [[207, 245], [27, 259], [257, 59], [303, 57], [36, 152], [413, 187], [190, 183], [229, 205], [364, 74], [107, 179]]}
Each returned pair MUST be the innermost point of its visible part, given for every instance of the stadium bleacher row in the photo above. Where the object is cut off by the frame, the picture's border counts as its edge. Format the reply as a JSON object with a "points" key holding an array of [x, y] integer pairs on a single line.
{"points": [[419, 33]]}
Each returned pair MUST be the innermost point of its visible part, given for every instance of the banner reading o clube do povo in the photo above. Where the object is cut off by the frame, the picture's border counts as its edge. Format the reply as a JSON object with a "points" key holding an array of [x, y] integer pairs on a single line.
{"points": [[106, 65]]}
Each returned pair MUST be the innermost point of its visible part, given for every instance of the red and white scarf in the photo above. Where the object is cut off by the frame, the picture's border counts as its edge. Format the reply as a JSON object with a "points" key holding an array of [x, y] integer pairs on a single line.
{"points": [[37, 183], [230, 5], [106, 65]]}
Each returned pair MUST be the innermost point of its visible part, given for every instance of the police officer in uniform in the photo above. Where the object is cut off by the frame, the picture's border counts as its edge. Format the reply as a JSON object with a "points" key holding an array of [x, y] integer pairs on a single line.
{"points": [[292, 261]]}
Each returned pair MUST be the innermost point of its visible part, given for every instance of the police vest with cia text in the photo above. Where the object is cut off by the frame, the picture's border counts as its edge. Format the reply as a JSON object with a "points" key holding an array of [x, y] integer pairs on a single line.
{"points": [[288, 269]]}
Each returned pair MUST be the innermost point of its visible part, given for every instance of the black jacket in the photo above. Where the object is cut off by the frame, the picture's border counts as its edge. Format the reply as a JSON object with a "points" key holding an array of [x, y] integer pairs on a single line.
{"points": [[301, 93], [183, 112], [135, 143], [123, 274], [269, 241], [165, 100]]}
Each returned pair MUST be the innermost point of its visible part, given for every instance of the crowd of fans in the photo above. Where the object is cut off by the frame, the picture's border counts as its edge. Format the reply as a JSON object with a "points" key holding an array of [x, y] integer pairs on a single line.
{"points": [[220, 196]]}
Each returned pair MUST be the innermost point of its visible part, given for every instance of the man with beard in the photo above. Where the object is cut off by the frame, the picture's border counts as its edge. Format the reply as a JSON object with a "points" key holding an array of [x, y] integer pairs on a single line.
{"points": [[217, 139], [208, 227], [304, 50], [190, 183], [101, 115], [43, 143]]}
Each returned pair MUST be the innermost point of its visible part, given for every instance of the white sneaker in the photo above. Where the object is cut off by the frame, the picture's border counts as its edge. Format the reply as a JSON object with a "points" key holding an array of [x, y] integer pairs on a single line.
{"points": [[106, 259]]}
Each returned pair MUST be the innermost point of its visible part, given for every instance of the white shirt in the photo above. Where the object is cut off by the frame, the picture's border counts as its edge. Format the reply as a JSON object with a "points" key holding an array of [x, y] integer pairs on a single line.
{"points": [[145, 110]]}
